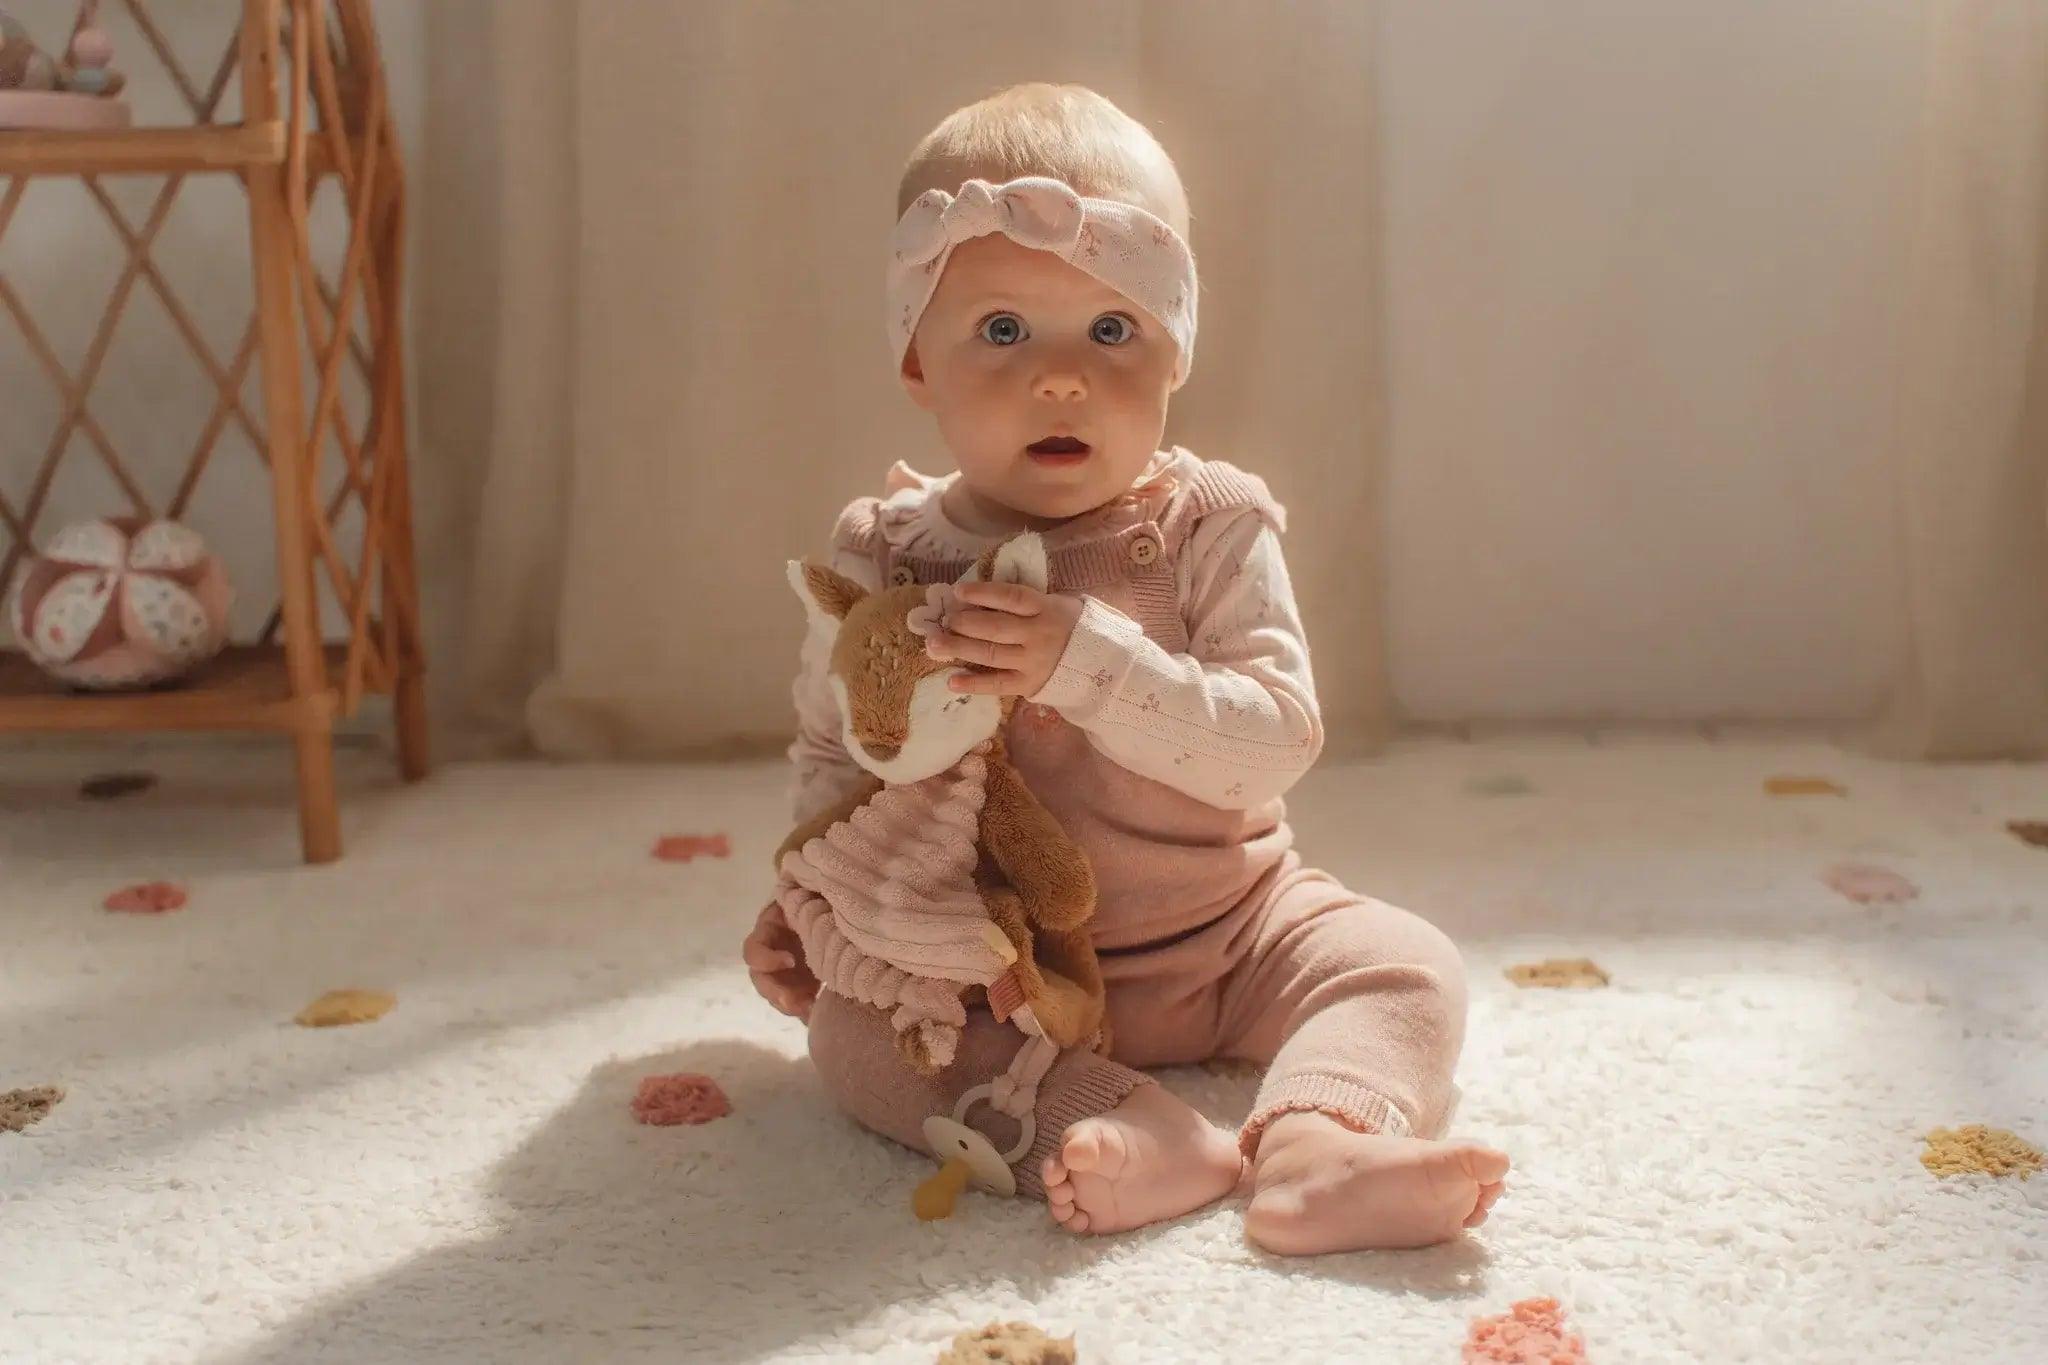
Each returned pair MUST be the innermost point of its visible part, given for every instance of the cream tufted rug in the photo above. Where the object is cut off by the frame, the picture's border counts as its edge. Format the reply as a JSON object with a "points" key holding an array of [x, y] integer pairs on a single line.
{"points": [[1717, 1154]]}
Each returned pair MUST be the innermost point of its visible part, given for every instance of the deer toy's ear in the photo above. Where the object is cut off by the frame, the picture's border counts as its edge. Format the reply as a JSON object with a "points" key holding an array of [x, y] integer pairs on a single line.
{"points": [[827, 596], [1020, 559]]}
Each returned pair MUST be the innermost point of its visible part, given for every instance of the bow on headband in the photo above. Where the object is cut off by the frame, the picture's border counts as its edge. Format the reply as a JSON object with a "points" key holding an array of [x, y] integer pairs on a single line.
{"points": [[1119, 244], [1035, 212]]}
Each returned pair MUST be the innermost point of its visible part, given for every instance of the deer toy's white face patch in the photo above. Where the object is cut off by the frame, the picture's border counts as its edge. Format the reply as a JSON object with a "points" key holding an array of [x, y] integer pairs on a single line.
{"points": [[900, 718], [939, 727]]}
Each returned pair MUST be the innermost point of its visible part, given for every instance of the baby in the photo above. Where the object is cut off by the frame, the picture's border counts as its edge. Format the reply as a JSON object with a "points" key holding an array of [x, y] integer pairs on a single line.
{"points": [[1042, 304]]}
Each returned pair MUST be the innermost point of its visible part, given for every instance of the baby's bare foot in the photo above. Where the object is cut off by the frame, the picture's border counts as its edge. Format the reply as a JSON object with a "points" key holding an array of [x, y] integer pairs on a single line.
{"points": [[1150, 1158], [1318, 1186]]}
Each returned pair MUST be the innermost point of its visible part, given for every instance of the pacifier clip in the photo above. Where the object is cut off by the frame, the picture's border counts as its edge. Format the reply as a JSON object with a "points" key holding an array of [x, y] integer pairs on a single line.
{"points": [[969, 1156]]}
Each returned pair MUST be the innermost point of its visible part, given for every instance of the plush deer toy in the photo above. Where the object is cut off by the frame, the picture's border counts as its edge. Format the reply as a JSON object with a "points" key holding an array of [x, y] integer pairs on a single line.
{"points": [[941, 879]]}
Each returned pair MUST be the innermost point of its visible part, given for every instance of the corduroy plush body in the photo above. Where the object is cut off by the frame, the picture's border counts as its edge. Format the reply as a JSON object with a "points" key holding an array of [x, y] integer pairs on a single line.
{"points": [[941, 880]]}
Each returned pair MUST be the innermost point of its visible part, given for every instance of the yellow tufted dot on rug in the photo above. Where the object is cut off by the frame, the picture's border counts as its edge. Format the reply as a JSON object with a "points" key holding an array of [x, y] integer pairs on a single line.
{"points": [[21, 1109], [338, 1008], [1804, 786], [1975, 1149], [1008, 1343], [1559, 973]]}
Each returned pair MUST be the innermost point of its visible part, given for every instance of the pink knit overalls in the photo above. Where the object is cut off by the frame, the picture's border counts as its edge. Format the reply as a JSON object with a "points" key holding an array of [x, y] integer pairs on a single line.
{"points": [[1215, 940]]}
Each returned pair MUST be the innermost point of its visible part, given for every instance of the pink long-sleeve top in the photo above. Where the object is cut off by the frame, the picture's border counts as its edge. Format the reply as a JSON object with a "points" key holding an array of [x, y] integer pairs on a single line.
{"points": [[1181, 711]]}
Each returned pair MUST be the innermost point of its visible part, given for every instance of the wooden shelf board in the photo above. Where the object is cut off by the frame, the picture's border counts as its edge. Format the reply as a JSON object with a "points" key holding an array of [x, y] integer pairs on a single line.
{"points": [[159, 151], [245, 688]]}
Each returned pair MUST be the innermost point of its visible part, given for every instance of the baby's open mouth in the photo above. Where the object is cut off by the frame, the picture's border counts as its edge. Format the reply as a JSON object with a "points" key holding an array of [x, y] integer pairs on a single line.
{"points": [[1059, 447]]}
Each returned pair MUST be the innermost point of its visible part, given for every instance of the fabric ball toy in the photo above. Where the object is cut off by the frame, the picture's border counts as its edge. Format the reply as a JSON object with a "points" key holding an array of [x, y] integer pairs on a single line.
{"points": [[121, 602]]}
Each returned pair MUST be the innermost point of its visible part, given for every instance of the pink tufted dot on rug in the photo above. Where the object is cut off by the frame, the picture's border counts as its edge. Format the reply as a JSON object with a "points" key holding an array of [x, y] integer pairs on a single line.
{"points": [[681, 848], [1868, 884], [1531, 1332], [149, 898], [682, 1098]]}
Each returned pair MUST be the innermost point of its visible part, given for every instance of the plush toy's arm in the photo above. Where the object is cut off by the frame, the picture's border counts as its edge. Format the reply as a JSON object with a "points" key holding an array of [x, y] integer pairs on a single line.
{"points": [[1051, 876], [830, 816]]}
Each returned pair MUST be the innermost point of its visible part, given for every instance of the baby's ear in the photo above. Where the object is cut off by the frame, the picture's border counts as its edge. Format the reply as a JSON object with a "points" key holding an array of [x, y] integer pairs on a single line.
{"points": [[827, 596], [914, 383], [1020, 559]]}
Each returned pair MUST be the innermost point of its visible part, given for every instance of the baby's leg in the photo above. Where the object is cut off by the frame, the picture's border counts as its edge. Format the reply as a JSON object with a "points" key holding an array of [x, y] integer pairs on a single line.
{"points": [[854, 1051], [1112, 1149], [1358, 1008]]}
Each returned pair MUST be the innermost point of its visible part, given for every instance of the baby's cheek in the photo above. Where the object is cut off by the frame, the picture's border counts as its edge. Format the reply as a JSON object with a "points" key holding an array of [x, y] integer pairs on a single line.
{"points": [[1137, 402]]}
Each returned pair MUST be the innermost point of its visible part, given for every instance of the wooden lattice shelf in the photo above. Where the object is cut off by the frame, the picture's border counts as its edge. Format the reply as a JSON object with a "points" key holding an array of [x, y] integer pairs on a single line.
{"points": [[131, 151], [248, 687], [314, 111]]}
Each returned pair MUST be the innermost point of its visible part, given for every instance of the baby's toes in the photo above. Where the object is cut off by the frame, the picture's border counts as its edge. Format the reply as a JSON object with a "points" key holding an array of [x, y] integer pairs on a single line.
{"points": [[1485, 1165], [1096, 1148], [1489, 1195], [1082, 1149]]}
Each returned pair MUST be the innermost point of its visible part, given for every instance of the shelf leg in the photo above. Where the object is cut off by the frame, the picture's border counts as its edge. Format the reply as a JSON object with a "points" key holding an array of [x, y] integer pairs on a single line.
{"points": [[409, 707], [274, 248], [319, 809]]}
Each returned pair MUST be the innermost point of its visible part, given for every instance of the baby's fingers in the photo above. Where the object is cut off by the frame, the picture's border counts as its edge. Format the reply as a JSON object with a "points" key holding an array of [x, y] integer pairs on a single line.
{"points": [[995, 626], [1000, 683], [947, 647], [1013, 598], [789, 996], [761, 957]]}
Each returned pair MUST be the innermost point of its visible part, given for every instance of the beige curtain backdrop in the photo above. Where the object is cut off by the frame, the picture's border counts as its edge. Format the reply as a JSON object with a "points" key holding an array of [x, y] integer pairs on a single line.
{"points": [[650, 365], [653, 362], [1971, 439]]}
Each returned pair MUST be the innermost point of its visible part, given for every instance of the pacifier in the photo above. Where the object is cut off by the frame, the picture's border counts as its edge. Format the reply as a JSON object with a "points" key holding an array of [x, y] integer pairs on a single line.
{"points": [[969, 1158]]}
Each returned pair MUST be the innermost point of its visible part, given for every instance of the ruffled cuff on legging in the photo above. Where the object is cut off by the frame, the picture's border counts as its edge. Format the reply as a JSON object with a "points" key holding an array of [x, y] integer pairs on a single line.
{"points": [[1350, 1104]]}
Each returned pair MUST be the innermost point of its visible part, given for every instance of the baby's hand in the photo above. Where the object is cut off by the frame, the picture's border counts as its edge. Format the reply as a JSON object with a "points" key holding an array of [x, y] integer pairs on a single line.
{"points": [[775, 960], [1017, 634]]}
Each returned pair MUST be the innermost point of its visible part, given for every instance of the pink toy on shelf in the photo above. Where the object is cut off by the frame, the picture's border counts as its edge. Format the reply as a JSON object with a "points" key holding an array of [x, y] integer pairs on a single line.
{"points": [[78, 92]]}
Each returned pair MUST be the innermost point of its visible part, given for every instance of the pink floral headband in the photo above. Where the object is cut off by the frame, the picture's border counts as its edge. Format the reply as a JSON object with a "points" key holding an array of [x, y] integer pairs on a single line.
{"points": [[1125, 247]]}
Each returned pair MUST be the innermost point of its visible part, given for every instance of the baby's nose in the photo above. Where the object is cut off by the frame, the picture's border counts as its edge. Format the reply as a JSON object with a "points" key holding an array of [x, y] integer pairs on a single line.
{"points": [[1062, 386]]}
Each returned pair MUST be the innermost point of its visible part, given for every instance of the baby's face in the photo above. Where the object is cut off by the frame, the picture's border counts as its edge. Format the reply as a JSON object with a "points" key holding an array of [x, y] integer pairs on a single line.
{"points": [[1018, 349]]}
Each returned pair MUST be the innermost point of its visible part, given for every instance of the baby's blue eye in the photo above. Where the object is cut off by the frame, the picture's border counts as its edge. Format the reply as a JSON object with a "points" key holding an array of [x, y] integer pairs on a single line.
{"points": [[1112, 329], [1003, 329]]}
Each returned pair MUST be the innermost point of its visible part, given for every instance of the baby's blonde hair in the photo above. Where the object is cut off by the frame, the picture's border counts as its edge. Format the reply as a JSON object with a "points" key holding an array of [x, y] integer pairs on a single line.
{"points": [[1067, 132]]}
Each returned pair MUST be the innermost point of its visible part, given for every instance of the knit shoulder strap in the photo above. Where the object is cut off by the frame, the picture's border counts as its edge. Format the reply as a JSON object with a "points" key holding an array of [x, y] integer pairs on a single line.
{"points": [[1214, 486]]}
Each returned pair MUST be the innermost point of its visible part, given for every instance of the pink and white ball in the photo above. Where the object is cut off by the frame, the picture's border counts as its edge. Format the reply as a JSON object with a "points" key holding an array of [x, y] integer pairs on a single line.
{"points": [[121, 602]]}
